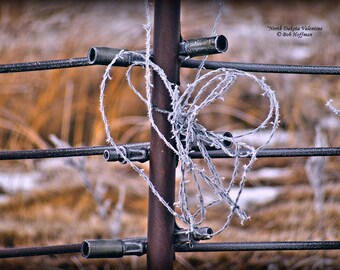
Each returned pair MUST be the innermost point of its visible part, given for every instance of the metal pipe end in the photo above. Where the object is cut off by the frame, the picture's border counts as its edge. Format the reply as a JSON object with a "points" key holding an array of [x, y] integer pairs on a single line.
{"points": [[92, 55], [209, 231], [102, 249], [203, 233], [104, 56], [85, 249], [221, 43], [203, 46], [111, 155], [226, 142], [107, 155]]}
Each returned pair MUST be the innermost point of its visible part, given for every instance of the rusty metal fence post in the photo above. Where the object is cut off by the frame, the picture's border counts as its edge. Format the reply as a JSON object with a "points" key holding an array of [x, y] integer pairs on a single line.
{"points": [[160, 254]]}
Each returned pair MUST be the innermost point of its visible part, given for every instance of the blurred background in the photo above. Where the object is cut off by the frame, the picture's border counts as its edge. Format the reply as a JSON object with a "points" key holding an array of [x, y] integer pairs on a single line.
{"points": [[68, 200]]}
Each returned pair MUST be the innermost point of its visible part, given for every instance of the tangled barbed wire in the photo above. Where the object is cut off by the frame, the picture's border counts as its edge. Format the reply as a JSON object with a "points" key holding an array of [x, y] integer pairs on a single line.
{"points": [[186, 104]]}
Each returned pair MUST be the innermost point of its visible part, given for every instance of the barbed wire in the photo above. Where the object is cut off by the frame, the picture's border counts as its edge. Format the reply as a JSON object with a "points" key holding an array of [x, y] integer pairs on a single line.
{"points": [[205, 90]]}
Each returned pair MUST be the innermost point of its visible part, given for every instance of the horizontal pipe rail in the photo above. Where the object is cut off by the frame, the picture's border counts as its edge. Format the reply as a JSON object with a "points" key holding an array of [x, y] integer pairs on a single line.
{"points": [[104, 55], [99, 56], [60, 152], [39, 251], [259, 246], [44, 65], [120, 248], [276, 152], [113, 248], [265, 68], [189, 63], [52, 153], [142, 155], [109, 151], [187, 48], [100, 249]]}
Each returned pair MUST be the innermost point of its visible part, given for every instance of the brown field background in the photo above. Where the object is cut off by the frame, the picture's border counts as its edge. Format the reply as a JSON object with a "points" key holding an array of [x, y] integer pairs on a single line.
{"points": [[65, 103]]}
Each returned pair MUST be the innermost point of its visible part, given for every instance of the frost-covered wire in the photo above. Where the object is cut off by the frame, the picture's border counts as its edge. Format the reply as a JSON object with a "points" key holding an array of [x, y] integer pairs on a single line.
{"points": [[332, 108], [186, 104]]}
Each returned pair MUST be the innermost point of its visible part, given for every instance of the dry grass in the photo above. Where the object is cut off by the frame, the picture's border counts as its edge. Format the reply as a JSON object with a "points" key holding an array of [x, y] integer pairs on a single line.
{"points": [[71, 216], [65, 102]]}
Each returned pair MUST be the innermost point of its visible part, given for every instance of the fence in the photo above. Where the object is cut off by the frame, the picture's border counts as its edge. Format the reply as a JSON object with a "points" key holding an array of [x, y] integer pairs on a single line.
{"points": [[164, 237]]}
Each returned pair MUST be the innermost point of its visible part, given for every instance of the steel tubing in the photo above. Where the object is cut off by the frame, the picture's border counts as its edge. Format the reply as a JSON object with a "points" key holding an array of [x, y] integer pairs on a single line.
{"points": [[138, 246], [39, 251], [191, 48], [160, 253], [52, 153], [64, 152], [259, 246], [188, 63], [275, 152], [203, 46], [113, 248], [265, 68], [140, 152], [44, 65], [104, 56]]}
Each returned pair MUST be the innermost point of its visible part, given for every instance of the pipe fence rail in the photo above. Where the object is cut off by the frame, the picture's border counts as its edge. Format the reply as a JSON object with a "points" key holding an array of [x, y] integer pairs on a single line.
{"points": [[120, 248], [170, 57], [141, 152], [185, 63]]}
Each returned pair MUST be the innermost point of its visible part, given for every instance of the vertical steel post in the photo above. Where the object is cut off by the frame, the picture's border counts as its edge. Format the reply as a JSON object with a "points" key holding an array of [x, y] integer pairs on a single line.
{"points": [[160, 253]]}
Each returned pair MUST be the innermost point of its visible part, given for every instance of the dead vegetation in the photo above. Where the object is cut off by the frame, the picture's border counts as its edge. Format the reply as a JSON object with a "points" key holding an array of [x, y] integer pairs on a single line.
{"points": [[65, 103]]}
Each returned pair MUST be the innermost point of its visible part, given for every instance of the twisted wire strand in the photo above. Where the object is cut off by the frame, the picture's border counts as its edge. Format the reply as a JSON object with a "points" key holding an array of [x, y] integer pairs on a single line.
{"points": [[332, 108], [186, 131]]}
